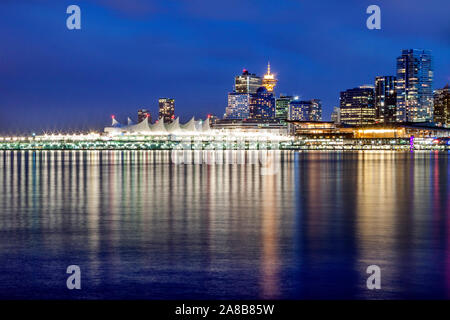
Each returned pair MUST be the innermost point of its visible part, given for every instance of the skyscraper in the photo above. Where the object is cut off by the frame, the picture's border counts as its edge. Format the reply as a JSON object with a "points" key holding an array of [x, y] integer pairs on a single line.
{"points": [[167, 109], [282, 107], [262, 105], [385, 99], [357, 106], [144, 113], [238, 106], [239, 101], [310, 110], [247, 82], [269, 81], [442, 106], [414, 86]]}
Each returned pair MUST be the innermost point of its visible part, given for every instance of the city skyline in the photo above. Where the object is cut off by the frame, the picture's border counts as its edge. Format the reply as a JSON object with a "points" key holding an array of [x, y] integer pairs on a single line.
{"points": [[116, 64], [214, 159]]}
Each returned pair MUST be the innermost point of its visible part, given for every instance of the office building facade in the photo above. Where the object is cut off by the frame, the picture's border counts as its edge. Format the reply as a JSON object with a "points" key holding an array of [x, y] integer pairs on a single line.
{"points": [[442, 107], [357, 106], [238, 106], [282, 107], [414, 86], [262, 105], [247, 82], [310, 110], [385, 99], [167, 109]]}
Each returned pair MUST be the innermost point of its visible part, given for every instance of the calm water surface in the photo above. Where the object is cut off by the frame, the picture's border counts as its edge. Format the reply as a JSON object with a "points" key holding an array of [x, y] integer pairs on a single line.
{"points": [[140, 226]]}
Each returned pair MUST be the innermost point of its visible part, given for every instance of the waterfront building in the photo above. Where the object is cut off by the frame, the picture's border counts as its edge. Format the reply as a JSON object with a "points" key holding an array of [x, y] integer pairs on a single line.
{"points": [[238, 106], [336, 115], [318, 130], [171, 134], [442, 106], [357, 105], [142, 114], [414, 86], [310, 110], [161, 127], [282, 107], [247, 82], [385, 99], [255, 126], [167, 109], [262, 104], [269, 81]]}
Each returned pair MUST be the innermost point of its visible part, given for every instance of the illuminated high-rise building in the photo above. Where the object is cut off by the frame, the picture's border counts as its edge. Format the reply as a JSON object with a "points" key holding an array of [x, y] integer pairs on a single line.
{"points": [[238, 106], [269, 81], [385, 99], [310, 110], [262, 105], [247, 82], [167, 109], [357, 106], [414, 86], [282, 107], [144, 113], [442, 106]]}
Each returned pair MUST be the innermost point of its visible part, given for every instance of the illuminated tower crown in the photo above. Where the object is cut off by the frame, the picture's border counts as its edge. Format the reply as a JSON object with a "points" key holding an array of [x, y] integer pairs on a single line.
{"points": [[269, 81]]}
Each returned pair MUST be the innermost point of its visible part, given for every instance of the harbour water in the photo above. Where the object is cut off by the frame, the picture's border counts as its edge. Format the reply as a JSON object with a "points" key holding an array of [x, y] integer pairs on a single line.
{"points": [[142, 226]]}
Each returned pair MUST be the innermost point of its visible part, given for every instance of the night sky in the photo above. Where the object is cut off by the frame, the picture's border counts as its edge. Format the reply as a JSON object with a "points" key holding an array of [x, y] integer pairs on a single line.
{"points": [[130, 53]]}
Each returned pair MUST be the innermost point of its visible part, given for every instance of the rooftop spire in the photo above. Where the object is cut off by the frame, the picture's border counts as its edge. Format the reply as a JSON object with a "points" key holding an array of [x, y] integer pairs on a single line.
{"points": [[269, 80]]}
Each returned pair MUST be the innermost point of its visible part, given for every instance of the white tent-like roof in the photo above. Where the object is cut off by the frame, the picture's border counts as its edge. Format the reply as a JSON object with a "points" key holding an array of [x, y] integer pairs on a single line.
{"points": [[198, 125], [206, 126], [160, 128], [140, 127], [174, 127], [115, 123], [189, 126]]}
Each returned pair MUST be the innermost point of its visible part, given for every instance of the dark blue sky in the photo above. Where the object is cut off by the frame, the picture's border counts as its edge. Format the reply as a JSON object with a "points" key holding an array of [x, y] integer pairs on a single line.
{"points": [[131, 52]]}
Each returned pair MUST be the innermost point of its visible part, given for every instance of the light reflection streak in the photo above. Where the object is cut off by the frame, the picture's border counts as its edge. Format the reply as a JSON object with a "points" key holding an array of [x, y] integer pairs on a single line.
{"points": [[118, 211]]}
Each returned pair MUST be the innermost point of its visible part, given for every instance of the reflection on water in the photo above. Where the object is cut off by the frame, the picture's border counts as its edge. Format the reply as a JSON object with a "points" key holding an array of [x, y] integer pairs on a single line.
{"points": [[141, 226]]}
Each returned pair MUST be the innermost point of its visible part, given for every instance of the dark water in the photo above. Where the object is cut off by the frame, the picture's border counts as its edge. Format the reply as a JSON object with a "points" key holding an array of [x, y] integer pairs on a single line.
{"points": [[140, 226]]}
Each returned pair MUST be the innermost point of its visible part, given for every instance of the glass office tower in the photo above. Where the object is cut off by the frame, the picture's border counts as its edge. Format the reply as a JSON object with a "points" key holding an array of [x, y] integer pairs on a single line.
{"points": [[357, 106], [238, 106], [385, 99], [247, 82], [414, 86], [310, 110], [282, 107], [442, 106], [262, 105], [167, 109]]}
